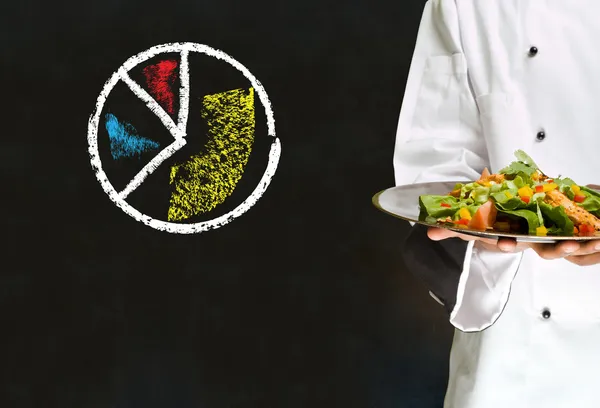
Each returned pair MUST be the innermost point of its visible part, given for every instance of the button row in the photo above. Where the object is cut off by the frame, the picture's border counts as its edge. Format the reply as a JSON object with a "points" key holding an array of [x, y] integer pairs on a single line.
{"points": [[541, 135]]}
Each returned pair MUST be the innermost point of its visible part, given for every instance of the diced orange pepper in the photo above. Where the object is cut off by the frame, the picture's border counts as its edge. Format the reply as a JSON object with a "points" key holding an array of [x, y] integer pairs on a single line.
{"points": [[541, 231], [550, 187], [575, 189]]}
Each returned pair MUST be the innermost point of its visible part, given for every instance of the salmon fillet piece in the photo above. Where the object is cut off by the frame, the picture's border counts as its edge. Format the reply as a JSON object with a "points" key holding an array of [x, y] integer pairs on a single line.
{"points": [[575, 213]]}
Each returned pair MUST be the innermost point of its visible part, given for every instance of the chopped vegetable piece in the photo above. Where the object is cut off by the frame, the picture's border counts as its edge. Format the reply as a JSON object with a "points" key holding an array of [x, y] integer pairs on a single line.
{"points": [[525, 191], [526, 199], [445, 205], [464, 213], [579, 198], [462, 221], [539, 188], [541, 231], [484, 217], [549, 187], [575, 189]]}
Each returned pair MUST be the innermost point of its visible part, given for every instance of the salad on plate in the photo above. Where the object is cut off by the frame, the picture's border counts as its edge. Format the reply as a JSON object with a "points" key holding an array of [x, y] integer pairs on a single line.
{"points": [[519, 199]]}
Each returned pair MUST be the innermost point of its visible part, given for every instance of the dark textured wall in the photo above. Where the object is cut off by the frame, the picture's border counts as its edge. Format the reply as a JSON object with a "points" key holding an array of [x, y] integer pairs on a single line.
{"points": [[301, 302]]}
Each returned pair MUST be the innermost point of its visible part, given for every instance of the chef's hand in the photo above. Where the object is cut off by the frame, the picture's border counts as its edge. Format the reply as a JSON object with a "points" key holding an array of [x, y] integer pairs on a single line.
{"points": [[583, 254]]}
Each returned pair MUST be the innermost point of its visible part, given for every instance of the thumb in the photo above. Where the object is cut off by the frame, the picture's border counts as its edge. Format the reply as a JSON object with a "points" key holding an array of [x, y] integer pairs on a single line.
{"points": [[438, 234], [507, 244]]}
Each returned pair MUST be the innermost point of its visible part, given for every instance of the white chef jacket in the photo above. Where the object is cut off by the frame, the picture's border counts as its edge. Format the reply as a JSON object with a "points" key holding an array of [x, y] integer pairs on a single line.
{"points": [[528, 329]]}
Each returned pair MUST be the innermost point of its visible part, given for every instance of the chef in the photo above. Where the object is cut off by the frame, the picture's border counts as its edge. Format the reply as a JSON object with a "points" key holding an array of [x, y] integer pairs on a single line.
{"points": [[488, 78]]}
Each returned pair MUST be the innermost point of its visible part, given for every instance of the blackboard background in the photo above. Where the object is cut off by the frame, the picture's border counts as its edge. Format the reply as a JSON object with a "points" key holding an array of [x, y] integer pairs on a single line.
{"points": [[301, 302]]}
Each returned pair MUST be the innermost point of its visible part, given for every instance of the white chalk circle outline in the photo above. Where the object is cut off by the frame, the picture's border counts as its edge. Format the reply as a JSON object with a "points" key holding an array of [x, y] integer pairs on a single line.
{"points": [[178, 131]]}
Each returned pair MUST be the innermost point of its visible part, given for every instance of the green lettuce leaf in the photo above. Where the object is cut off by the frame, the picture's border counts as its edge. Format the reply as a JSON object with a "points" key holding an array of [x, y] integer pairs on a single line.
{"points": [[522, 180], [539, 213], [558, 217], [480, 194], [530, 216], [467, 188], [508, 204], [495, 188], [592, 199], [431, 206], [564, 184]]}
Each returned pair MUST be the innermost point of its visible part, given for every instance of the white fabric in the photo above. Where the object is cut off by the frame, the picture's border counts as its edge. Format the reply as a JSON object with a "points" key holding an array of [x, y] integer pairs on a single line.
{"points": [[472, 98]]}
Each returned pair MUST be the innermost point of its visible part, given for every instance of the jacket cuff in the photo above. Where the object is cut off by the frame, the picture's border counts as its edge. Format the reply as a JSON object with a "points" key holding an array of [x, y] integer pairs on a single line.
{"points": [[483, 287]]}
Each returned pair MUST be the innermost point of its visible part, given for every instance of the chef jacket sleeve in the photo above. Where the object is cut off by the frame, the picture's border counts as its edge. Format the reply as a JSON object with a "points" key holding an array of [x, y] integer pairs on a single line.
{"points": [[440, 138]]}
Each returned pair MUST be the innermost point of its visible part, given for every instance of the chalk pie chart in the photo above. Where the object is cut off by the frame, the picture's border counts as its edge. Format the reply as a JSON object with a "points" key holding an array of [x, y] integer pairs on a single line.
{"points": [[182, 138]]}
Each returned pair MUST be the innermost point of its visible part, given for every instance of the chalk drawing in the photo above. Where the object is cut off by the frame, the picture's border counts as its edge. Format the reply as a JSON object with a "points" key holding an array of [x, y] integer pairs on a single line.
{"points": [[160, 78], [124, 139], [217, 105], [206, 180]]}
